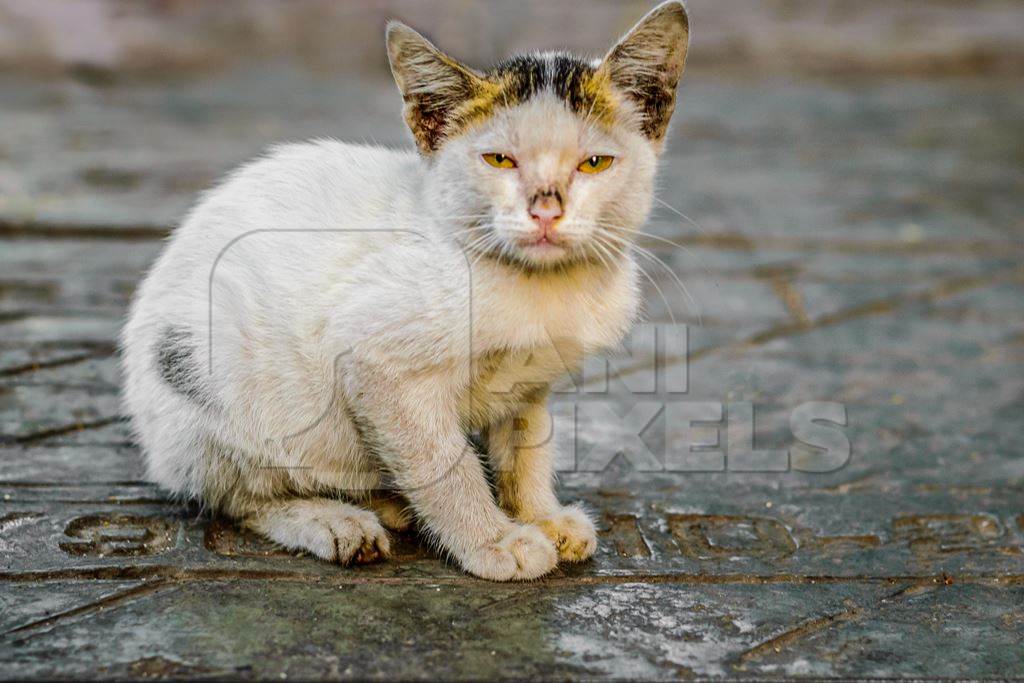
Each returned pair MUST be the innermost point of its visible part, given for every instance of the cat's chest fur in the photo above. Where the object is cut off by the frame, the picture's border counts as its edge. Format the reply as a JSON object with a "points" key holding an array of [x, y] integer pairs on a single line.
{"points": [[503, 380], [528, 333]]}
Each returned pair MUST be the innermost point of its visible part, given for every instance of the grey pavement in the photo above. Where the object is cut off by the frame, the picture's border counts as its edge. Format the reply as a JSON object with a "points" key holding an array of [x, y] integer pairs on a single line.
{"points": [[848, 241]]}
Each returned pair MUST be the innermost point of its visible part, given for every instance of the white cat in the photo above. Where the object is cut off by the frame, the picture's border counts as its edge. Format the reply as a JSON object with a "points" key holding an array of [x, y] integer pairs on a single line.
{"points": [[329, 325]]}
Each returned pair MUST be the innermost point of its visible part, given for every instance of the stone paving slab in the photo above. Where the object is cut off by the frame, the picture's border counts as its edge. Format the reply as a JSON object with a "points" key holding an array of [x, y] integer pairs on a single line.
{"points": [[859, 162], [642, 630], [873, 533], [710, 593], [847, 242]]}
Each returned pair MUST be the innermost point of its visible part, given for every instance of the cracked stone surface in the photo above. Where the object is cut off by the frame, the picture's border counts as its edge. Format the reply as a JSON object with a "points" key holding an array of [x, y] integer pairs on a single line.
{"points": [[845, 241]]}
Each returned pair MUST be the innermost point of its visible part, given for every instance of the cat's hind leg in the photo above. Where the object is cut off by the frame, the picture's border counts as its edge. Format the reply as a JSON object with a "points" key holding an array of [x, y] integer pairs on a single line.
{"points": [[394, 511], [332, 530]]}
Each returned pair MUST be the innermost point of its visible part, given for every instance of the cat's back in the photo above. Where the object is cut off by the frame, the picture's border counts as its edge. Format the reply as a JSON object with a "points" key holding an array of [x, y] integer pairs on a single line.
{"points": [[314, 182], [277, 231], [288, 210], [327, 162]]}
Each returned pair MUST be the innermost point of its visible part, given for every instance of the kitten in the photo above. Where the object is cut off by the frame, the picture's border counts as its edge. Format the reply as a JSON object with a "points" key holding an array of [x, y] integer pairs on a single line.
{"points": [[329, 326]]}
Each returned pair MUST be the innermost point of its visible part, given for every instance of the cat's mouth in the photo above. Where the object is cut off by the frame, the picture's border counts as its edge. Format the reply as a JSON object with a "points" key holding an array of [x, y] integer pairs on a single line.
{"points": [[546, 240], [535, 251], [544, 248]]}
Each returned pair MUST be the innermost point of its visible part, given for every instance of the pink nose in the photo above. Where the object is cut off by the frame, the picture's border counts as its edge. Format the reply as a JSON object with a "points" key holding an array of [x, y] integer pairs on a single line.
{"points": [[546, 210]]}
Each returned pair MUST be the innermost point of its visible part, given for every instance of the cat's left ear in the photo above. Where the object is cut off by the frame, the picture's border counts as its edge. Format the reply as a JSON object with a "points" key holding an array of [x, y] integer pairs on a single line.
{"points": [[648, 63], [434, 86]]}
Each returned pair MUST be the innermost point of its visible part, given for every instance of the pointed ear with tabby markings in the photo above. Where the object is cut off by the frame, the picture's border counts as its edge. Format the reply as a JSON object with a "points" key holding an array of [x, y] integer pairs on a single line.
{"points": [[438, 91], [648, 63]]}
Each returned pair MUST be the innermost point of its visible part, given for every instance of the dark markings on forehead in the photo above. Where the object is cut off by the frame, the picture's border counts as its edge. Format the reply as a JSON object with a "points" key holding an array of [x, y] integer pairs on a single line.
{"points": [[569, 78]]}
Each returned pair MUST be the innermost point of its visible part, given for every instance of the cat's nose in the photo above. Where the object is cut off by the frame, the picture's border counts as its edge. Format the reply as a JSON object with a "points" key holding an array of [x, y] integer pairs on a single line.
{"points": [[545, 209]]}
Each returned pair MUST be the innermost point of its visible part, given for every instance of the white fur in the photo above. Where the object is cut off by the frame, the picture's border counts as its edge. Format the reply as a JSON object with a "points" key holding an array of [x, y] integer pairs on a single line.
{"points": [[321, 258], [347, 334]]}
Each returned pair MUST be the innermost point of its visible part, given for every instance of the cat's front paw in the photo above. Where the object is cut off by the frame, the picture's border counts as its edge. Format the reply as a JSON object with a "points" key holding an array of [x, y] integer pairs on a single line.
{"points": [[571, 531], [522, 553]]}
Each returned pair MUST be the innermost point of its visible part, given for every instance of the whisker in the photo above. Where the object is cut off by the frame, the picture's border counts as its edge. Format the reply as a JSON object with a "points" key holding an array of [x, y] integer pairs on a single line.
{"points": [[668, 307], [603, 252], [661, 293], [695, 308], [690, 252], [659, 238], [682, 215]]}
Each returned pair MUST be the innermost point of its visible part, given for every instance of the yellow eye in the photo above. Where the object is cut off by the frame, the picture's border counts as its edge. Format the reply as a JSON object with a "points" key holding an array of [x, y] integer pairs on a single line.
{"points": [[500, 160], [596, 163]]}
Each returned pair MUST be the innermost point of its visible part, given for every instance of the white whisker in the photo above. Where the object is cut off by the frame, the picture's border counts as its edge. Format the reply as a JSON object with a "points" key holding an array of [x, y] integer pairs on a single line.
{"points": [[694, 307], [682, 215]]}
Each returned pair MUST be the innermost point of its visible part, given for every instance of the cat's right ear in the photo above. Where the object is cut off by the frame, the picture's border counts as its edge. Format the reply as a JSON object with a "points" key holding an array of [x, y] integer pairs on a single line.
{"points": [[648, 63], [435, 87]]}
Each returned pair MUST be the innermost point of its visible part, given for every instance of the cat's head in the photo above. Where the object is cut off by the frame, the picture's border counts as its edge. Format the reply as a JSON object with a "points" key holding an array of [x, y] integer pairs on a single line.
{"points": [[546, 159]]}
